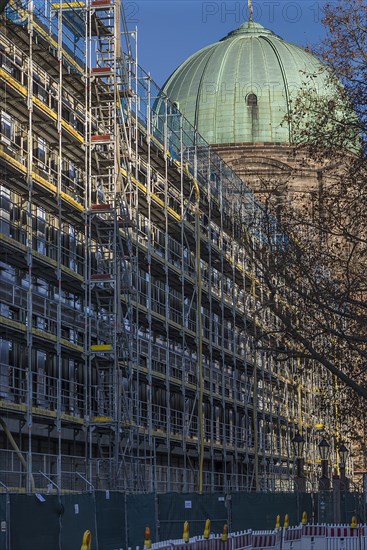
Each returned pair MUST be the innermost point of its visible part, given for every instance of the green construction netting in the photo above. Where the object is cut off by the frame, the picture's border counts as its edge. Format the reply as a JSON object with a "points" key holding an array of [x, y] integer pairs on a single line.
{"points": [[140, 513], [34, 522], [259, 510], [78, 515], [176, 508], [4, 520], [111, 528], [118, 520]]}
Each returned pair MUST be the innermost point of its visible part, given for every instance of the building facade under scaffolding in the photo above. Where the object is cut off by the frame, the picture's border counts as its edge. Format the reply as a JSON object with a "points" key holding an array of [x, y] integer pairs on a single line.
{"points": [[129, 307]]}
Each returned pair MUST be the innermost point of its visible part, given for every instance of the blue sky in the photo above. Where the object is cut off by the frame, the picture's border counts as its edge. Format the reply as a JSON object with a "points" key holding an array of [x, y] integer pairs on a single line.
{"points": [[171, 30]]}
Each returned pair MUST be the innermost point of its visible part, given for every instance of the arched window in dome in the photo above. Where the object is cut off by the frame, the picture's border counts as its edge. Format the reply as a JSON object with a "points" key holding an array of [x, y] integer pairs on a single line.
{"points": [[251, 100]]}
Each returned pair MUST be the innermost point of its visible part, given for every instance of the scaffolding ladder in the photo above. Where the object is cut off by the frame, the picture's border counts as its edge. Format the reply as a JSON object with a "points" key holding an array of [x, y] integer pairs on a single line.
{"points": [[109, 263]]}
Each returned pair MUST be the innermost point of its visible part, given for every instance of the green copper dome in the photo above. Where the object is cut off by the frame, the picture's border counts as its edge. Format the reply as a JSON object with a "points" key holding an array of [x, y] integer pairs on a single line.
{"points": [[240, 89]]}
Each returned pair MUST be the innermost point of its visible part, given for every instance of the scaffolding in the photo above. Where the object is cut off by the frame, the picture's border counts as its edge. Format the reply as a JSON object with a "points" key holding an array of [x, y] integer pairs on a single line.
{"points": [[129, 304]]}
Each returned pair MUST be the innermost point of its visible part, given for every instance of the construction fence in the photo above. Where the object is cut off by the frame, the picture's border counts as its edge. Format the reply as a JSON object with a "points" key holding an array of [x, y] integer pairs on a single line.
{"points": [[301, 537], [118, 520]]}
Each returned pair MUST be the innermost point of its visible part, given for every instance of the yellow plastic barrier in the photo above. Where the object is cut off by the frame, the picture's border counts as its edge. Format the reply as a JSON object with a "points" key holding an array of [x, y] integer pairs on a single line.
{"points": [[286, 521], [354, 523], [186, 532], [207, 529], [87, 541], [304, 518], [277, 522]]}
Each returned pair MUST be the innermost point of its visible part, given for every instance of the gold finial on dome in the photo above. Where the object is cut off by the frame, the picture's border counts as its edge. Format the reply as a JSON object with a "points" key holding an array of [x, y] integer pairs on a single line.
{"points": [[249, 2]]}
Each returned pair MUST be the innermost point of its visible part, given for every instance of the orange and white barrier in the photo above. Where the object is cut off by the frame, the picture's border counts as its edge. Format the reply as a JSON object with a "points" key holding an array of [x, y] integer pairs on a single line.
{"points": [[266, 539], [313, 537], [292, 538], [302, 537], [241, 540], [344, 537]]}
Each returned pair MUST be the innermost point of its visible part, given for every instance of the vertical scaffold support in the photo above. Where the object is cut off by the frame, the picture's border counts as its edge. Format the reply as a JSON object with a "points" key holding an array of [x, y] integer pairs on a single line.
{"points": [[109, 326]]}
